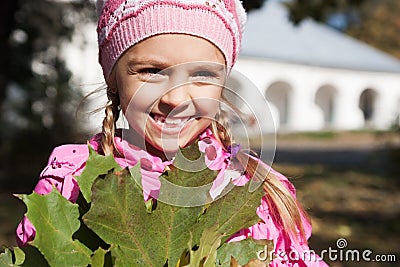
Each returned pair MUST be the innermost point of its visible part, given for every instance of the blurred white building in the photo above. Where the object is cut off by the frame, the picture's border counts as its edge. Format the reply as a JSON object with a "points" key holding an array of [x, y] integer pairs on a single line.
{"points": [[316, 78]]}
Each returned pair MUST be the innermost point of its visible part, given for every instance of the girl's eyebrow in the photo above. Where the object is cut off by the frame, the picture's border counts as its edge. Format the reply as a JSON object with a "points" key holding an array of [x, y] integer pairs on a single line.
{"points": [[160, 64], [147, 62], [209, 66]]}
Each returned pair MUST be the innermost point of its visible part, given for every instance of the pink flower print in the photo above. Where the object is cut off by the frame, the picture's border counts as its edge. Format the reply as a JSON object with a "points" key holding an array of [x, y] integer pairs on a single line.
{"points": [[67, 186], [215, 156], [151, 172], [26, 232], [151, 167], [240, 180]]}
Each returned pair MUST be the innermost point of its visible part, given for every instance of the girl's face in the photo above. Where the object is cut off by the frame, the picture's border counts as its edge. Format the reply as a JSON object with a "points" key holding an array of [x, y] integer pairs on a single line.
{"points": [[169, 87]]}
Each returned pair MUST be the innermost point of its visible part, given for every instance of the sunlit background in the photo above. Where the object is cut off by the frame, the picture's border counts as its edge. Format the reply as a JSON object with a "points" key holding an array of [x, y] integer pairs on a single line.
{"points": [[330, 71]]}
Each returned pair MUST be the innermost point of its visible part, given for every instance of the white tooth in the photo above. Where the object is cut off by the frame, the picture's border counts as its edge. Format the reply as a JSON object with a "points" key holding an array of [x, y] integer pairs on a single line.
{"points": [[173, 121]]}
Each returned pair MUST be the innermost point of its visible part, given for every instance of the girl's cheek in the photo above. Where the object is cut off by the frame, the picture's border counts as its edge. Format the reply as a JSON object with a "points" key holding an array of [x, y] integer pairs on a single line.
{"points": [[140, 98], [208, 103]]}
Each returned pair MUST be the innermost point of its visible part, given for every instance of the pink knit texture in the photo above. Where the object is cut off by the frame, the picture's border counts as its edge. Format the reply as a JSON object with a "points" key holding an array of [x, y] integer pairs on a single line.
{"points": [[125, 23]]}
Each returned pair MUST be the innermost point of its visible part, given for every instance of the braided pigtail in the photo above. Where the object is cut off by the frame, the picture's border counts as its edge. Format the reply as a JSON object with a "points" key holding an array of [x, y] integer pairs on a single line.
{"points": [[109, 123], [288, 210]]}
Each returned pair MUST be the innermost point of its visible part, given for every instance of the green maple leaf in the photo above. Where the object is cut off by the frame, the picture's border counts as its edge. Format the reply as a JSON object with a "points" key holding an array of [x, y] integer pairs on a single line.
{"points": [[119, 216], [234, 211], [206, 254], [184, 188], [98, 257], [27, 257], [229, 214], [19, 256], [244, 251], [138, 233], [56, 220], [117, 211], [7, 257], [137, 238], [96, 165]]}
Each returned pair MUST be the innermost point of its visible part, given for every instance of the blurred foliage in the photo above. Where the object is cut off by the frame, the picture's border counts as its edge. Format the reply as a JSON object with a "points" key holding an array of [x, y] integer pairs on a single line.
{"points": [[250, 5], [321, 10], [379, 25], [375, 22], [37, 102]]}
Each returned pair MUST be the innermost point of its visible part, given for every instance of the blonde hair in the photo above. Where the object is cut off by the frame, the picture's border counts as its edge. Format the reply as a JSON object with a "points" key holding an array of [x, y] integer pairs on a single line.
{"points": [[289, 212], [112, 111]]}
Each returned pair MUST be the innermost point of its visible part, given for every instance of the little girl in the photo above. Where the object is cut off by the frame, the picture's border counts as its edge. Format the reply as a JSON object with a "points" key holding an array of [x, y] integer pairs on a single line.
{"points": [[165, 64]]}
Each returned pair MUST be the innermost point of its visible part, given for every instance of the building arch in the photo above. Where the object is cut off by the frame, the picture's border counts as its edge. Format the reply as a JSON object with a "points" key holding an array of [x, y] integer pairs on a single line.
{"points": [[367, 104], [279, 94], [325, 99]]}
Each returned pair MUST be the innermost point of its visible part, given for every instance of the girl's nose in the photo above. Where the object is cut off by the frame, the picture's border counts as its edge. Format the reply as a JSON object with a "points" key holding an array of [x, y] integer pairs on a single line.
{"points": [[177, 97]]}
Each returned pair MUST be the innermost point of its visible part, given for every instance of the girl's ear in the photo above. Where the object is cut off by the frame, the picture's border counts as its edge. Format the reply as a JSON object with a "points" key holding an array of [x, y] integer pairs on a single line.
{"points": [[112, 83]]}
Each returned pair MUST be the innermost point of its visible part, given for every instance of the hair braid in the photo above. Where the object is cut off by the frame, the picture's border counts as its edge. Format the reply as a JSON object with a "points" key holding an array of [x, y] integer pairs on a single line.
{"points": [[289, 210], [109, 123]]}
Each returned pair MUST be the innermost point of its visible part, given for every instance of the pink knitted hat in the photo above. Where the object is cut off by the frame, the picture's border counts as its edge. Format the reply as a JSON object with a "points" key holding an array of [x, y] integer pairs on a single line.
{"points": [[123, 23]]}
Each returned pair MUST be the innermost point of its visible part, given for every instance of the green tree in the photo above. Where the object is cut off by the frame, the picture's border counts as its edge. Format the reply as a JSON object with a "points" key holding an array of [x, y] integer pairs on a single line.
{"points": [[7, 10], [250, 5], [379, 25], [37, 102], [375, 22], [321, 10]]}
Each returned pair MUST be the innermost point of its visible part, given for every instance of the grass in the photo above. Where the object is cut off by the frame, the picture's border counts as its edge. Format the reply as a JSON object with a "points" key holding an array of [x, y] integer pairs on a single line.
{"points": [[363, 208], [314, 135]]}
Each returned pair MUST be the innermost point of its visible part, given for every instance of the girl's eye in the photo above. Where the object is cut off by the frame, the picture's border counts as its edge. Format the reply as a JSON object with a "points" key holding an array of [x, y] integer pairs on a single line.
{"points": [[150, 70], [151, 74], [204, 76]]}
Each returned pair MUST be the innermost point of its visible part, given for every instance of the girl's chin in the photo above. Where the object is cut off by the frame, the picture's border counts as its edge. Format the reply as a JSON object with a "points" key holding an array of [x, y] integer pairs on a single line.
{"points": [[168, 145]]}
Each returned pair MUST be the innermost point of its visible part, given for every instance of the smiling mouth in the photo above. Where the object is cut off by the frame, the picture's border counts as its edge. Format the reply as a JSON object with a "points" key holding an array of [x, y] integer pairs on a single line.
{"points": [[170, 122]]}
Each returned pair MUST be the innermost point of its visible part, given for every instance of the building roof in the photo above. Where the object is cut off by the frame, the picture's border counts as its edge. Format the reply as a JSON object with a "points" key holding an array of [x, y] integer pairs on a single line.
{"points": [[270, 34]]}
